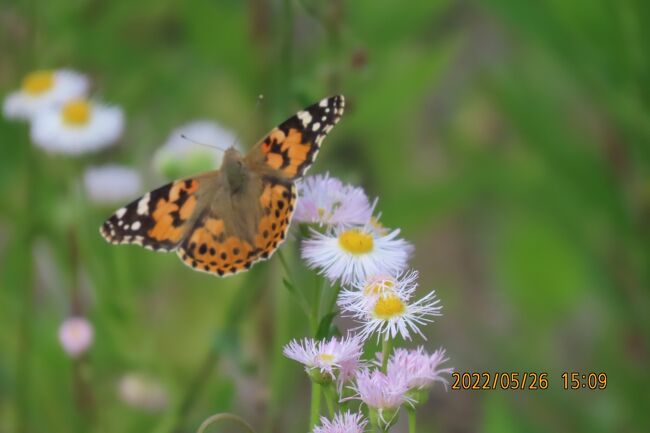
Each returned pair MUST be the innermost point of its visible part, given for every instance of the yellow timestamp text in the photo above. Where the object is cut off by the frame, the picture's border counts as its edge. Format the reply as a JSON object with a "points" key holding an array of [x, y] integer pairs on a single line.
{"points": [[589, 380], [499, 380]]}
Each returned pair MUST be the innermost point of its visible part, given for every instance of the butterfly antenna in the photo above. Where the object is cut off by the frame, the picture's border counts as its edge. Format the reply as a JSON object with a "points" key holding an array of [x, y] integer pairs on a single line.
{"points": [[260, 97], [185, 137]]}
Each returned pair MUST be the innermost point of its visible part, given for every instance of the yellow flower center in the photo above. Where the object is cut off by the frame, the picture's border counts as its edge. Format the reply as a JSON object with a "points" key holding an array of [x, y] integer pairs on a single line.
{"points": [[76, 112], [38, 82], [388, 307], [379, 287], [356, 242], [326, 357]]}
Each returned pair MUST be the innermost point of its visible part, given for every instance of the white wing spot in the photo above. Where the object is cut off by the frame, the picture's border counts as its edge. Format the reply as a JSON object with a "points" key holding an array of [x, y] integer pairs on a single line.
{"points": [[316, 126], [136, 225], [143, 205], [120, 212], [323, 102], [305, 118]]}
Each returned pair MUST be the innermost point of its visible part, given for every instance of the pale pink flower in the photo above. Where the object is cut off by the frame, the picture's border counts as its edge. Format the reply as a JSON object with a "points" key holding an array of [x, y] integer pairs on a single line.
{"points": [[420, 370], [335, 359], [381, 392], [76, 335], [343, 422], [326, 200]]}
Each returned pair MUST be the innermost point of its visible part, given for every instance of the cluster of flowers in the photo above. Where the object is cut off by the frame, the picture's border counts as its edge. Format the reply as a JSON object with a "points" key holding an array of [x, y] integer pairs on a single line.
{"points": [[64, 119], [348, 246]]}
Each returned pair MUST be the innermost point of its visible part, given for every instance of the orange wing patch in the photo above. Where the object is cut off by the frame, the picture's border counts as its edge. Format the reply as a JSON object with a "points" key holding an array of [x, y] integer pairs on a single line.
{"points": [[292, 147], [209, 248], [157, 220]]}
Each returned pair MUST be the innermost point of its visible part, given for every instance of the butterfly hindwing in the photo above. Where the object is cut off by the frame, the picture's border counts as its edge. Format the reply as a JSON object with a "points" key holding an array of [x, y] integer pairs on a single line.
{"points": [[292, 146], [157, 220], [210, 247]]}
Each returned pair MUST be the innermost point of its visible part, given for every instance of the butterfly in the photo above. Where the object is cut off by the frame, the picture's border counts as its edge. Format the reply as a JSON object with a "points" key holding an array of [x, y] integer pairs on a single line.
{"points": [[223, 221]]}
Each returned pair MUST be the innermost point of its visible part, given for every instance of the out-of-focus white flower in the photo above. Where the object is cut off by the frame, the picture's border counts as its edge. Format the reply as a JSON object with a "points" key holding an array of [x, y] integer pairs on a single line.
{"points": [[353, 254], [343, 422], [336, 359], [393, 313], [180, 156], [44, 89], [111, 183], [326, 200], [383, 394], [76, 335], [79, 126], [366, 293], [420, 370], [142, 392]]}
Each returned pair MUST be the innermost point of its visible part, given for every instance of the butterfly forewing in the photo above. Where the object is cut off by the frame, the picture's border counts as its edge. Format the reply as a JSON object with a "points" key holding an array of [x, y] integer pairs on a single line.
{"points": [[158, 220], [292, 147]]}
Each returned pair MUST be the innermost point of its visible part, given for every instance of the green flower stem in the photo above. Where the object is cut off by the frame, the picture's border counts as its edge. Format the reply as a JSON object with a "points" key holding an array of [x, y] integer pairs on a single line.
{"points": [[330, 398], [412, 420], [315, 405], [315, 313], [387, 347]]}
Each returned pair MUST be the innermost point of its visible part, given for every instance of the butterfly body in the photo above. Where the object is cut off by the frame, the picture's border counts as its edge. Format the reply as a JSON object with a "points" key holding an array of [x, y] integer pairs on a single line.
{"points": [[225, 220]]}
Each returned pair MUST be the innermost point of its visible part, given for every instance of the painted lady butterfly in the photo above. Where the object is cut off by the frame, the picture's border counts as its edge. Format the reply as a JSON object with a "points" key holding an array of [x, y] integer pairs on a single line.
{"points": [[223, 221]]}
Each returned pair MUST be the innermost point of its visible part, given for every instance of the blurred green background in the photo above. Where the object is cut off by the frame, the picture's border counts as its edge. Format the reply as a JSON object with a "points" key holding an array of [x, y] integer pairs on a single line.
{"points": [[509, 140]]}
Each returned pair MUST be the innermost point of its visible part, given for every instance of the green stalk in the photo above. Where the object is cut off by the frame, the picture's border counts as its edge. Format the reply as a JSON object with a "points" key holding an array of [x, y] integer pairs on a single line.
{"points": [[225, 417], [315, 405], [412, 420], [330, 398], [387, 346]]}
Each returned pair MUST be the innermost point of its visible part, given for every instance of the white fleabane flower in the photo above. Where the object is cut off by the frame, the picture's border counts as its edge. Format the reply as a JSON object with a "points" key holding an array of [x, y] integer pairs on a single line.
{"points": [[327, 360], [394, 313], [44, 89], [353, 254], [366, 293], [420, 370], [76, 335], [326, 200], [182, 156], [79, 126], [343, 422], [110, 184]]}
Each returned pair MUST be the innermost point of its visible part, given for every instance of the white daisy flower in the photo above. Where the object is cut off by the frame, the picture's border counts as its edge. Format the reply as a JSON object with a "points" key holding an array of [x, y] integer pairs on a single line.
{"points": [[181, 156], [44, 89], [367, 292], [79, 126], [76, 335], [352, 254], [326, 200], [324, 361], [110, 184], [393, 313], [343, 422]]}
